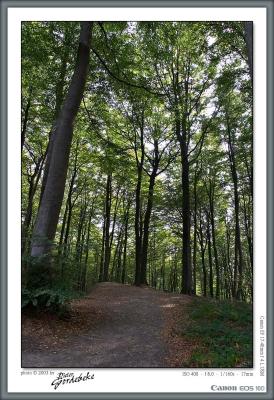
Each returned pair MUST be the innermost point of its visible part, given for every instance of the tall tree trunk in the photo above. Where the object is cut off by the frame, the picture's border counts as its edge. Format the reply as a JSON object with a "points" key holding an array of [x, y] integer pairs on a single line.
{"points": [[146, 228], [203, 249], [48, 214], [33, 183], [248, 232], [248, 35], [116, 206], [238, 265], [107, 226], [125, 245], [116, 252], [101, 273], [79, 243], [186, 253], [25, 119], [212, 220], [59, 97], [84, 276], [137, 221], [138, 227], [62, 233], [195, 235], [209, 257]]}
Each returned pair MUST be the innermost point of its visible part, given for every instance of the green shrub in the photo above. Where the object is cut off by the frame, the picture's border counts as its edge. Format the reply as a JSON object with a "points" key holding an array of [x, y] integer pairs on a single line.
{"points": [[53, 300]]}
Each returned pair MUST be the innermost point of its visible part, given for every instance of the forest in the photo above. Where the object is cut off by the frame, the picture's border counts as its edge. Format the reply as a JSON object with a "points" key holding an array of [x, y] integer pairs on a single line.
{"points": [[137, 163]]}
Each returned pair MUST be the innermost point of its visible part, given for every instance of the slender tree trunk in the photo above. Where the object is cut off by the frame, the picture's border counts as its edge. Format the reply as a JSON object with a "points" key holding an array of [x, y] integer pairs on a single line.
{"points": [[68, 209], [119, 262], [195, 235], [209, 257], [248, 232], [125, 245], [61, 240], [116, 253], [101, 274], [33, 183], [146, 228], [203, 249], [25, 119], [107, 226], [137, 222], [48, 214], [212, 214], [84, 277], [186, 253], [238, 265], [116, 206], [137, 225]]}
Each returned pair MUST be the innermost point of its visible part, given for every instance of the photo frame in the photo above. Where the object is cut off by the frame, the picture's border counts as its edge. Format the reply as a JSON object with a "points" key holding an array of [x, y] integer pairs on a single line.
{"points": [[5, 205]]}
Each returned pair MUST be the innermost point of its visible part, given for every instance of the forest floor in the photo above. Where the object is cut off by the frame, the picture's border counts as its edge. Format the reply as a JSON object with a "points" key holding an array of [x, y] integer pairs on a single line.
{"points": [[123, 326]]}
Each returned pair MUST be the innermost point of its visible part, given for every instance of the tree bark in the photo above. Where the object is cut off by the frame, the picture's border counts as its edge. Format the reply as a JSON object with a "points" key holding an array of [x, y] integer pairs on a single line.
{"points": [[59, 97], [212, 220], [33, 183], [248, 35], [238, 264], [143, 280], [137, 222], [195, 235], [203, 249], [125, 245], [25, 120], [48, 214], [209, 257], [186, 253], [107, 226]]}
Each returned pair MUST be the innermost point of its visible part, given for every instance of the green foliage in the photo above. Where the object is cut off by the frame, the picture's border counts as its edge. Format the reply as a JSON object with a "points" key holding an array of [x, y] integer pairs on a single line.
{"points": [[223, 331], [212, 57], [54, 300]]}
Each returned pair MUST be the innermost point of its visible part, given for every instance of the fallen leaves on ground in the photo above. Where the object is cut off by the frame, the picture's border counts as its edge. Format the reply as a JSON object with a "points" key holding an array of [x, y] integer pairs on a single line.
{"points": [[180, 347], [47, 330]]}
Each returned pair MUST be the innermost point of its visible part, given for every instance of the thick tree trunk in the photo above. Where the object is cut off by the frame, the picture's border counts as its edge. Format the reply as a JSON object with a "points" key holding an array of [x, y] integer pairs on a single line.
{"points": [[59, 97], [48, 214]]}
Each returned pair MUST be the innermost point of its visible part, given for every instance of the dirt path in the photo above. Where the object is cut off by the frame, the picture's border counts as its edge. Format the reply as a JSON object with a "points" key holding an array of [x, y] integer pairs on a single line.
{"points": [[129, 327]]}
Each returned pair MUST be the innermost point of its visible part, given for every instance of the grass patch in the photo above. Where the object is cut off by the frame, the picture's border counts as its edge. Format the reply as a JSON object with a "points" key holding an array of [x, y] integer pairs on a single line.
{"points": [[223, 331]]}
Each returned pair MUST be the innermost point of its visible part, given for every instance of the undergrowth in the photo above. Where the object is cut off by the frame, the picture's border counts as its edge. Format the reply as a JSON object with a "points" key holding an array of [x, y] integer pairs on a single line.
{"points": [[54, 300], [223, 332]]}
